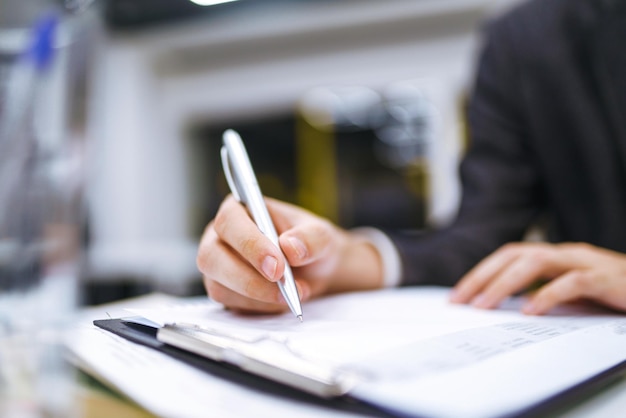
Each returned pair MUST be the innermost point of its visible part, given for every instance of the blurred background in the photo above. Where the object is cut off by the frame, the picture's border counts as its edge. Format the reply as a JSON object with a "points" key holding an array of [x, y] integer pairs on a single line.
{"points": [[351, 108]]}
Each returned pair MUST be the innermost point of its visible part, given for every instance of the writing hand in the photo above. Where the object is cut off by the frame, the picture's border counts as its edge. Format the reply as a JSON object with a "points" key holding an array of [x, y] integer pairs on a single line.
{"points": [[240, 265]]}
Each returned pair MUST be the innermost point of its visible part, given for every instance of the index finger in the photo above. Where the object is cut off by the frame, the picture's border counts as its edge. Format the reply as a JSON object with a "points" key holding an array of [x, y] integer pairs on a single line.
{"points": [[483, 273], [237, 229], [570, 286]]}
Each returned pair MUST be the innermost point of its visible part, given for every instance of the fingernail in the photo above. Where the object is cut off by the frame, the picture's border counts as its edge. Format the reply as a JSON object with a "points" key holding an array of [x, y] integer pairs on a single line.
{"points": [[269, 267], [480, 301], [298, 247], [455, 296], [530, 308]]}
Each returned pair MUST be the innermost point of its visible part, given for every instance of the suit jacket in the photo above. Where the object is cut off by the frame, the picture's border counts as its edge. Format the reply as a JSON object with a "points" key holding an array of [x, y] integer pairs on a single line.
{"points": [[547, 130]]}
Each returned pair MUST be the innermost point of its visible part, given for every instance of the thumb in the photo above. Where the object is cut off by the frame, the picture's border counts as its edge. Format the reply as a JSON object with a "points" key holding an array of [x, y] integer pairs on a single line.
{"points": [[309, 242]]}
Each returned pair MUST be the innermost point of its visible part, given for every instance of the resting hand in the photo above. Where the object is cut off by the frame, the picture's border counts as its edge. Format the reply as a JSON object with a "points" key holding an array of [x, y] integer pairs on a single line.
{"points": [[240, 265], [574, 271]]}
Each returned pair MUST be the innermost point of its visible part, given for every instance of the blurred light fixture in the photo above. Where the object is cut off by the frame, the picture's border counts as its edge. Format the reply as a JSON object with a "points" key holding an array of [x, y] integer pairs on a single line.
{"points": [[210, 2]]}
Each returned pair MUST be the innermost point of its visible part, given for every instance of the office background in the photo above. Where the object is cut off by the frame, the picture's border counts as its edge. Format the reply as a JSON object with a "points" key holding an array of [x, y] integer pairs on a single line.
{"points": [[350, 108]]}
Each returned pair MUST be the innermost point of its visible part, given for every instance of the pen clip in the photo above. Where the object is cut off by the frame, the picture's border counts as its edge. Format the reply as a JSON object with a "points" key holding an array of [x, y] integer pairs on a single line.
{"points": [[228, 173]]}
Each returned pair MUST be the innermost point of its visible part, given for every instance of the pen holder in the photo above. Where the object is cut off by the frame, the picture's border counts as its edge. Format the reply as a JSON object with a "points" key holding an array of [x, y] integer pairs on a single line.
{"points": [[41, 183]]}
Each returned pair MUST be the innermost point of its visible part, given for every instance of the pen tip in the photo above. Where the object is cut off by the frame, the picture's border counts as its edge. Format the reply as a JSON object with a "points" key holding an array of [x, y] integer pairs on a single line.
{"points": [[300, 318]]}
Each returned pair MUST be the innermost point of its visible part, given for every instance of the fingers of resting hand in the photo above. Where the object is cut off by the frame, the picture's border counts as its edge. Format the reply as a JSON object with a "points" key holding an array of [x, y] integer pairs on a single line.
{"points": [[533, 264], [483, 273], [574, 284], [234, 226], [513, 268], [602, 285]]}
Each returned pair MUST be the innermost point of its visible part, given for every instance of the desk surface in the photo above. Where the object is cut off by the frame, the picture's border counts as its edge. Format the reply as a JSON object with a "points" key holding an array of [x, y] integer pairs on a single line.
{"points": [[94, 403], [608, 402]]}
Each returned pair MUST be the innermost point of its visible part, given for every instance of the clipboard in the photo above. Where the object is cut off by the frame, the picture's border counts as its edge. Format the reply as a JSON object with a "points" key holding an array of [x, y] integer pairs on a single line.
{"points": [[147, 336], [226, 361], [266, 357]]}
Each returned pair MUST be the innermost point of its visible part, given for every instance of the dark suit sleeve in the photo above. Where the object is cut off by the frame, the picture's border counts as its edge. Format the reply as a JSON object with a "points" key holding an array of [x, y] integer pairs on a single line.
{"points": [[500, 186]]}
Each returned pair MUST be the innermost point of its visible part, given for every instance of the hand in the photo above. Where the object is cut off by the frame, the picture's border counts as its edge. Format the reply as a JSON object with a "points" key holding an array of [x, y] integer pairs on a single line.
{"points": [[240, 265], [574, 271]]}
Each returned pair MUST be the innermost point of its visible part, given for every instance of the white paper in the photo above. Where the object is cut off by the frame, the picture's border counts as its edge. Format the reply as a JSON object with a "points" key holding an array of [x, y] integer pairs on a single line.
{"points": [[418, 354]]}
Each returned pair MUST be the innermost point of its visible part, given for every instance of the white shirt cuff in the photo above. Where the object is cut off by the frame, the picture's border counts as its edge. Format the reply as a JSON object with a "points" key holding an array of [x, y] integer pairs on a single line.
{"points": [[392, 265]]}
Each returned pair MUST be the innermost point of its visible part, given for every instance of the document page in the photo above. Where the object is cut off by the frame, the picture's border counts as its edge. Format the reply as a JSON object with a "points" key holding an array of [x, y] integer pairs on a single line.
{"points": [[415, 353]]}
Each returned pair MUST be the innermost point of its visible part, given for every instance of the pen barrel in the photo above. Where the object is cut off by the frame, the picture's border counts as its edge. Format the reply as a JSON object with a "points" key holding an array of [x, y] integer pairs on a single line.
{"points": [[245, 188], [286, 284]]}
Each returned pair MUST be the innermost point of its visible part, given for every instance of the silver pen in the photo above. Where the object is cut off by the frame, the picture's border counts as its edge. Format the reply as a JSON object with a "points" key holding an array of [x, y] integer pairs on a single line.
{"points": [[245, 189]]}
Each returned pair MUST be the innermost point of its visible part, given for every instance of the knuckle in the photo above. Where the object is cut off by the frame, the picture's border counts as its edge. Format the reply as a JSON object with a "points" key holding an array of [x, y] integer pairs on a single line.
{"points": [[250, 288], [539, 256], [579, 279], [204, 261], [577, 247], [247, 245], [254, 289], [510, 248], [582, 246], [219, 223], [324, 230]]}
